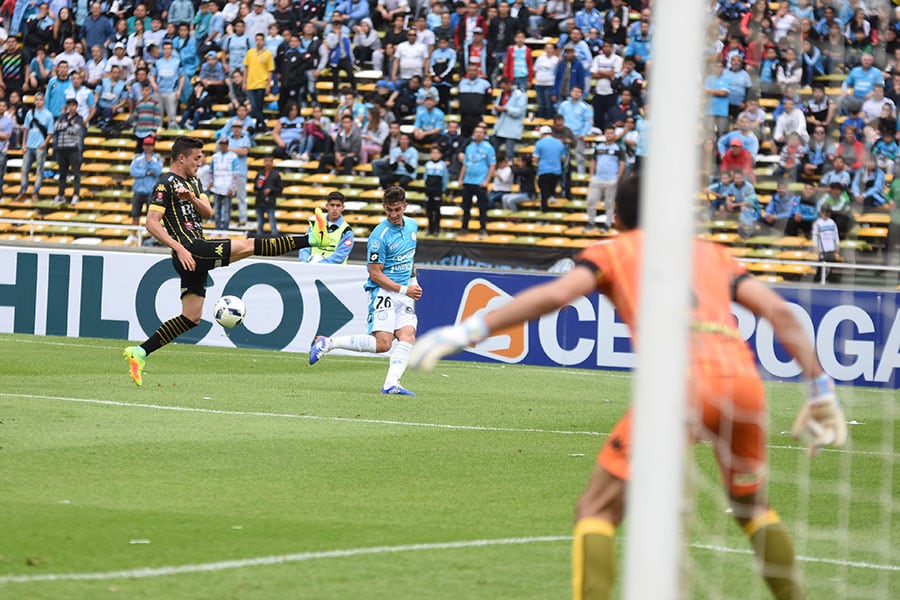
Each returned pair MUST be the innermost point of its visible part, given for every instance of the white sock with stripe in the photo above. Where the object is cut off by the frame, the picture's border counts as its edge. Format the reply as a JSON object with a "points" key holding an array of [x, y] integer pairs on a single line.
{"points": [[358, 343], [399, 360]]}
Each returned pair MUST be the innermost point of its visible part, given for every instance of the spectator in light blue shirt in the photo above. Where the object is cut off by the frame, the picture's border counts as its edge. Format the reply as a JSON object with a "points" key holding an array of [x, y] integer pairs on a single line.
{"points": [[168, 79], [356, 11], [479, 163], [239, 143], [744, 132], [861, 79], [39, 131], [57, 88], [868, 185], [829, 18], [248, 125], [739, 83], [110, 96], [236, 45], [145, 168], [430, 120], [535, 17], [589, 17], [885, 151], [641, 46], [181, 11], [549, 153], [402, 162], [839, 175], [40, 69], [578, 116], [781, 207], [510, 108], [216, 29], [186, 47], [803, 12], [716, 88]]}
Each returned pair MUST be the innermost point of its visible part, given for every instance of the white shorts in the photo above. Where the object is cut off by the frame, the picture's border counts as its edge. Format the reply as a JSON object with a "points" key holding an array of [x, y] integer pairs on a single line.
{"points": [[390, 311]]}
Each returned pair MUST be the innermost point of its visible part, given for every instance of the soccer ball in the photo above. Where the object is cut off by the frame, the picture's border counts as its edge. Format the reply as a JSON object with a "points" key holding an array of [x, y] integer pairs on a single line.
{"points": [[229, 311]]}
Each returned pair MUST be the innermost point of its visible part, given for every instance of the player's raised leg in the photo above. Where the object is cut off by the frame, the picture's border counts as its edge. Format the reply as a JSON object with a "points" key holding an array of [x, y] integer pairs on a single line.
{"points": [[357, 343], [282, 244]]}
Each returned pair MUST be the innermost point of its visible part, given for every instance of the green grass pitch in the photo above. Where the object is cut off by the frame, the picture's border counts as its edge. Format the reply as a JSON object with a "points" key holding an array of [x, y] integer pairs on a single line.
{"points": [[238, 474]]}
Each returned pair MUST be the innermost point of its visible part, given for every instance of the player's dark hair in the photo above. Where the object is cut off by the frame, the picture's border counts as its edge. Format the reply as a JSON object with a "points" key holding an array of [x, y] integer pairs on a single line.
{"points": [[628, 199], [185, 145], [335, 196], [394, 194]]}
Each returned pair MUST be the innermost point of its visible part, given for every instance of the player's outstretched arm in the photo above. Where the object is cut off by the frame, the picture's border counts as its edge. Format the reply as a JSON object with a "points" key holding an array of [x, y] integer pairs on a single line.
{"points": [[821, 421], [525, 306]]}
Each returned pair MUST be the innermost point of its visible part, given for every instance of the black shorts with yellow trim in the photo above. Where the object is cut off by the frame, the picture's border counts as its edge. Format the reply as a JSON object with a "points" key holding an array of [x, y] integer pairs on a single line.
{"points": [[208, 255]]}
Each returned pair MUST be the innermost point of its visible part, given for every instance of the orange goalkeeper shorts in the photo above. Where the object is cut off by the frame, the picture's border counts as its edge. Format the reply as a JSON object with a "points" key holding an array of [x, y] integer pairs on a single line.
{"points": [[729, 412]]}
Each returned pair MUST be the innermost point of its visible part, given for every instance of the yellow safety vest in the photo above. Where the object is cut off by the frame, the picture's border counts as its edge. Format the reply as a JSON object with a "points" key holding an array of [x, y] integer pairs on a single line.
{"points": [[334, 238]]}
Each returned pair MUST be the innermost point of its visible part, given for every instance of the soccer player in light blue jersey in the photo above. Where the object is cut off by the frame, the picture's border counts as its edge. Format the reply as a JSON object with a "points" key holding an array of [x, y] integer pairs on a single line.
{"points": [[392, 290]]}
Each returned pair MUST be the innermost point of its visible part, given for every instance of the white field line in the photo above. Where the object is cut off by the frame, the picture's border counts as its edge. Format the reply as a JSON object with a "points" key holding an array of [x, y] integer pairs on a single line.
{"points": [[271, 560], [450, 426], [147, 572], [345, 358], [853, 564], [214, 411]]}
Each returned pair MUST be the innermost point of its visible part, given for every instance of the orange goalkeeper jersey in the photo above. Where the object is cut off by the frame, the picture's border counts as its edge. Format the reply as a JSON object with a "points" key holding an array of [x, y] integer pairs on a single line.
{"points": [[716, 346]]}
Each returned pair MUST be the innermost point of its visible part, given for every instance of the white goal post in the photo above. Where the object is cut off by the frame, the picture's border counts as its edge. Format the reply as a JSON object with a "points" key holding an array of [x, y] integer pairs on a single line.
{"points": [[669, 176]]}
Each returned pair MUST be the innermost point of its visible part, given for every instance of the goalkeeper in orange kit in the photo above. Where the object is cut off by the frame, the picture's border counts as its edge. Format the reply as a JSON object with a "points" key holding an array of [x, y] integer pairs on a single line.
{"points": [[726, 395]]}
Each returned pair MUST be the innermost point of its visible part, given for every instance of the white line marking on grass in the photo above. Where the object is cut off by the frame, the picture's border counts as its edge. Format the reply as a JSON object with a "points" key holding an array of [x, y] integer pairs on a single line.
{"points": [[274, 560], [837, 451], [214, 411], [854, 564], [324, 554], [345, 358]]}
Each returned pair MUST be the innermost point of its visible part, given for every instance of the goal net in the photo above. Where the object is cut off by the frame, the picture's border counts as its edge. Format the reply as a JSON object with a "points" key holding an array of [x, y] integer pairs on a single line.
{"points": [[759, 114]]}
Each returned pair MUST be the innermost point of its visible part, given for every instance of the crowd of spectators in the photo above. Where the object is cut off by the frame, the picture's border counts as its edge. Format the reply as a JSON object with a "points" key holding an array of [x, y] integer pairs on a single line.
{"points": [[176, 63], [160, 64], [832, 149]]}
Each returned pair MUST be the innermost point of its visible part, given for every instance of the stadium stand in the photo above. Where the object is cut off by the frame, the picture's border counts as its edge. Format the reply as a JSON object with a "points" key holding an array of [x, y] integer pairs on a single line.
{"points": [[853, 69]]}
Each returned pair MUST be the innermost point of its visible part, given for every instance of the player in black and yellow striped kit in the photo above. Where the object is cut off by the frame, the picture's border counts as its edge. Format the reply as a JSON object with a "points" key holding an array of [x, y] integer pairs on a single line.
{"points": [[175, 218]]}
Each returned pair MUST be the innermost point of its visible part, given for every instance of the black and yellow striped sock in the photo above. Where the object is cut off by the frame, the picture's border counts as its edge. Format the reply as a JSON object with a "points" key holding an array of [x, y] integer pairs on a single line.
{"points": [[167, 332], [593, 559], [277, 246], [774, 550]]}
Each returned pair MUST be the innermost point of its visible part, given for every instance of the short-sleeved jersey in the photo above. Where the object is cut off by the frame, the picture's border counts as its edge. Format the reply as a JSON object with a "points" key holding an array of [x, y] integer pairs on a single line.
{"points": [[180, 218], [394, 247], [716, 345]]}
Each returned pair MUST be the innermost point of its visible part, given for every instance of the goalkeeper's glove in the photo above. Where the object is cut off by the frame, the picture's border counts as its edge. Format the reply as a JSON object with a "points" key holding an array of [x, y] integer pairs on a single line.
{"points": [[317, 233], [822, 421], [443, 341]]}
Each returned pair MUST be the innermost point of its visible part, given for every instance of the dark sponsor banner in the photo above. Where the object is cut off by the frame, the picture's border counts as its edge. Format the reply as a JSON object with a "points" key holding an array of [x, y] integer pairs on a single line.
{"points": [[483, 256]]}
